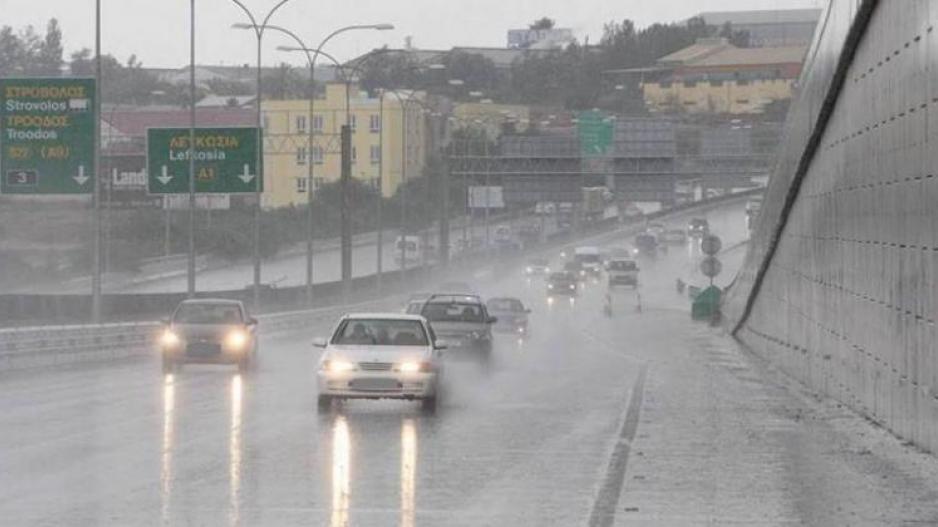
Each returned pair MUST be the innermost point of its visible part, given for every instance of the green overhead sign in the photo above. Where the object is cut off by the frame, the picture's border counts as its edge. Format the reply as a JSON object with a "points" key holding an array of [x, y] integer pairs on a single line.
{"points": [[225, 160], [47, 130], [596, 133]]}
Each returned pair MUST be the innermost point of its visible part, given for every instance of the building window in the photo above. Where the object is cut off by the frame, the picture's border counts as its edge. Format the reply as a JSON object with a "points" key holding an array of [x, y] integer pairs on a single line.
{"points": [[318, 155], [374, 123], [742, 82], [742, 101], [301, 124], [352, 122], [690, 84], [354, 155], [301, 155], [716, 83], [318, 182], [375, 154], [266, 122], [301, 185], [317, 123], [665, 85]]}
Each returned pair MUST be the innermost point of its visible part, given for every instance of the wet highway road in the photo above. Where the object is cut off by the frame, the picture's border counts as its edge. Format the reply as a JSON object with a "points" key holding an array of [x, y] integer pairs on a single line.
{"points": [[526, 442]]}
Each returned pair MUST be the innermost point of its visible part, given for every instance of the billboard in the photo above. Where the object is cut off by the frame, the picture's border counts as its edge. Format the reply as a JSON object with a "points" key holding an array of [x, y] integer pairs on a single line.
{"points": [[492, 196]]}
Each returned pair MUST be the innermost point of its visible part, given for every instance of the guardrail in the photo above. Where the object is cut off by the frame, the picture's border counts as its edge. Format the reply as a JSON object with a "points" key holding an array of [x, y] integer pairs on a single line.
{"points": [[45, 346]]}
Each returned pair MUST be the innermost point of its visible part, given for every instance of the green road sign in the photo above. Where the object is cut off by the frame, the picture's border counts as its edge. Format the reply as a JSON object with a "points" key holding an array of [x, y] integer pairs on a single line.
{"points": [[595, 131], [47, 129], [225, 160]]}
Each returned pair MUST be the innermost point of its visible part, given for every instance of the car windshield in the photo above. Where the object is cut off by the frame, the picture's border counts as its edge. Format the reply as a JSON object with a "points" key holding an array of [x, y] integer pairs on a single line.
{"points": [[588, 258], [572, 266], [208, 314], [539, 262], [505, 304], [380, 332], [453, 312], [561, 277]]}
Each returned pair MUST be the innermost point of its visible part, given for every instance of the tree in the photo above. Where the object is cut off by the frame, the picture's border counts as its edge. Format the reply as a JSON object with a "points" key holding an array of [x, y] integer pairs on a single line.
{"points": [[543, 23], [739, 39], [28, 53], [121, 83], [49, 59]]}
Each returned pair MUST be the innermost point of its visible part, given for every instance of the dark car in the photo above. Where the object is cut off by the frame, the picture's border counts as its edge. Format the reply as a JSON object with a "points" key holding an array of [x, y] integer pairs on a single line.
{"points": [[511, 314], [646, 243], [208, 331], [698, 227], [537, 266], [562, 283], [575, 267], [462, 321]]}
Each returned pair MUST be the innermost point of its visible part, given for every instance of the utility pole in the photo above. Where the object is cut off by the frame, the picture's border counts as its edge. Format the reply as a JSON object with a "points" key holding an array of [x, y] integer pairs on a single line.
{"points": [[190, 261], [345, 212], [96, 198]]}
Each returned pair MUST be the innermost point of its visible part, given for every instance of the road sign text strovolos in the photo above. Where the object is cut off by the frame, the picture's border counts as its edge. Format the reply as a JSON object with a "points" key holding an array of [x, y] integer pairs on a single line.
{"points": [[225, 160], [47, 130]]}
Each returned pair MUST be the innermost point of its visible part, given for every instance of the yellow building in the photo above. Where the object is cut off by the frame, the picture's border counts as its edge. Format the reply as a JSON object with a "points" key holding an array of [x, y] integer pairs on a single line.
{"points": [[714, 76], [378, 143]]}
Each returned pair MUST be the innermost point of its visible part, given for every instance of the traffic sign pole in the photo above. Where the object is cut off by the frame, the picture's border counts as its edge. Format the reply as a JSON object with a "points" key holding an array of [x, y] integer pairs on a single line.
{"points": [[190, 261], [96, 183]]}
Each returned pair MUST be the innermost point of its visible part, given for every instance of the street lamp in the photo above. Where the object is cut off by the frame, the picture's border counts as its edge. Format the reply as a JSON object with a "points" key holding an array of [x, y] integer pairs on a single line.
{"points": [[259, 33], [312, 55]]}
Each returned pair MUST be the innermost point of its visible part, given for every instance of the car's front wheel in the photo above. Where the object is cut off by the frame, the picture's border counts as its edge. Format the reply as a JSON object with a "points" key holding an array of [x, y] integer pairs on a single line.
{"points": [[428, 405], [323, 403]]}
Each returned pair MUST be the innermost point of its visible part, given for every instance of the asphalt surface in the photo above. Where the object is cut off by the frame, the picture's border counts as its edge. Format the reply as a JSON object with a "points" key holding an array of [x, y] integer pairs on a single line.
{"points": [[539, 438]]}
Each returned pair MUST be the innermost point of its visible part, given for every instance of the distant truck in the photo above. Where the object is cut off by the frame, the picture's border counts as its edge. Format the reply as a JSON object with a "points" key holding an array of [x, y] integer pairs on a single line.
{"points": [[594, 203]]}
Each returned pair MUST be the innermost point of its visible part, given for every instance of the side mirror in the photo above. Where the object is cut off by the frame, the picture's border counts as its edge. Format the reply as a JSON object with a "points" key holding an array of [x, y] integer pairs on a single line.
{"points": [[492, 320], [320, 342], [440, 345]]}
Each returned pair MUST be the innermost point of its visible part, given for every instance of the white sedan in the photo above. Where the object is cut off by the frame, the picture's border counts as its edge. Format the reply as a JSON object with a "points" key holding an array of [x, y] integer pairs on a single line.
{"points": [[380, 356]]}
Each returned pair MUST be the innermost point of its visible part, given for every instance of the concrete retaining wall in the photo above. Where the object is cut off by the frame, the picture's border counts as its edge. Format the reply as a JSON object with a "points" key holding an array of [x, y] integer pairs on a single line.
{"points": [[839, 287]]}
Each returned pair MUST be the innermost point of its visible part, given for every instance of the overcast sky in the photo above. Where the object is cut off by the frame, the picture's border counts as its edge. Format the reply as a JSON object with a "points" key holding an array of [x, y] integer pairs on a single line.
{"points": [[157, 30]]}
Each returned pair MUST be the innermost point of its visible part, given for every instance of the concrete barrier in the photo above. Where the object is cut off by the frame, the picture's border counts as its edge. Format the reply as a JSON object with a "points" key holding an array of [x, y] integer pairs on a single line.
{"points": [[839, 285]]}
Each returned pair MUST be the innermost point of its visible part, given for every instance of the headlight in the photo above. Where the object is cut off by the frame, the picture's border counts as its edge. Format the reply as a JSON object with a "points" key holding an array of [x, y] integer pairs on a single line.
{"points": [[169, 339], [572, 286], [414, 367], [337, 366], [529, 270], [236, 340], [550, 286]]}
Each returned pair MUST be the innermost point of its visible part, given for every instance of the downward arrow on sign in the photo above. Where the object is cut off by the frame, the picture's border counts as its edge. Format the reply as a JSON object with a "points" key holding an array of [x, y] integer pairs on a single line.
{"points": [[81, 178], [246, 176], [164, 178]]}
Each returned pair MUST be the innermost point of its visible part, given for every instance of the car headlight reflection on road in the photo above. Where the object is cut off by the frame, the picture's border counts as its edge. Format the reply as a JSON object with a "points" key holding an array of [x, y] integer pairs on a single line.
{"points": [[169, 339], [337, 366], [236, 340]]}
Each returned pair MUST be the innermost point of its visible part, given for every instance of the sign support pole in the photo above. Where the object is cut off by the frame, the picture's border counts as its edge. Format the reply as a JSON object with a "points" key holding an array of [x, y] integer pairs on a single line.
{"points": [[96, 180], [190, 261]]}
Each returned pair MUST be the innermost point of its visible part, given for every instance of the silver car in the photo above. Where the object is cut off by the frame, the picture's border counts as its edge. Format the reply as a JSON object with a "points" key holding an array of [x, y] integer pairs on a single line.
{"points": [[380, 356]]}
